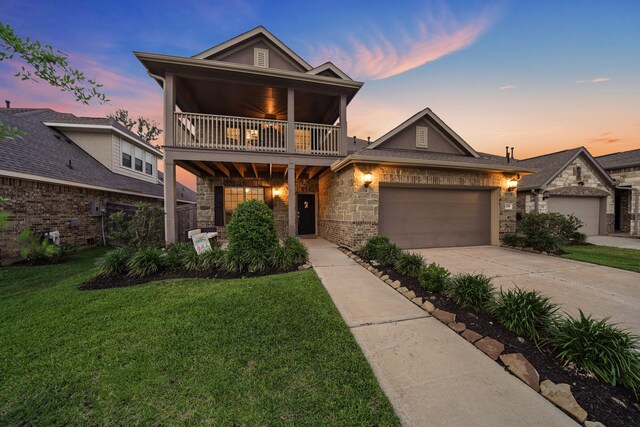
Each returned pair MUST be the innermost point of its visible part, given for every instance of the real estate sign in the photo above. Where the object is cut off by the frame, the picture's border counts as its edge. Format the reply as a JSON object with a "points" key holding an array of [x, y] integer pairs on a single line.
{"points": [[201, 243]]}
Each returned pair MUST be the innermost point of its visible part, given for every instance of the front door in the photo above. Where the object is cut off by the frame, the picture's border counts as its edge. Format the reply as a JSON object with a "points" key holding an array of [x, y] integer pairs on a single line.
{"points": [[306, 214]]}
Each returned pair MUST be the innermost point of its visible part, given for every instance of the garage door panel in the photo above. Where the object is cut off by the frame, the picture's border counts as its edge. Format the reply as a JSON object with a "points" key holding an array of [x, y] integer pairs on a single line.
{"points": [[587, 209], [426, 217]]}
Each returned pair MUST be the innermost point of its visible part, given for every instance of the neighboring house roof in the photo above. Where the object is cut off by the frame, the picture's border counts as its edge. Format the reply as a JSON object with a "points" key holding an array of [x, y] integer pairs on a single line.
{"points": [[549, 166], [620, 160], [44, 152], [258, 31], [331, 67], [415, 118]]}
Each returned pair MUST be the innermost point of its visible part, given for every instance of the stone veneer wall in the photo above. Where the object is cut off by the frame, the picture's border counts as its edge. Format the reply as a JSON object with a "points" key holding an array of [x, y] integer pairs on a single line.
{"points": [[629, 177], [42, 207], [349, 210], [206, 199], [566, 184]]}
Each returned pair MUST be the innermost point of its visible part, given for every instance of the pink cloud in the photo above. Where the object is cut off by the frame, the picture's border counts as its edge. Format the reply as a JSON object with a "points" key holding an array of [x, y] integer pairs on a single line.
{"points": [[508, 87], [380, 57], [596, 80]]}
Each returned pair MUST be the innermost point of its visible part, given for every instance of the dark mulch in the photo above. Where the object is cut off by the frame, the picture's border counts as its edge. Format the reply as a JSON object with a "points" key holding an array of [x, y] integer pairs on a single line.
{"points": [[613, 406], [121, 281]]}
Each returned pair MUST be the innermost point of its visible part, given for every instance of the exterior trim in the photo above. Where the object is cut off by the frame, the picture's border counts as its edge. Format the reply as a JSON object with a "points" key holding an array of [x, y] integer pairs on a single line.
{"points": [[29, 177], [415, 118], [329, 66]]}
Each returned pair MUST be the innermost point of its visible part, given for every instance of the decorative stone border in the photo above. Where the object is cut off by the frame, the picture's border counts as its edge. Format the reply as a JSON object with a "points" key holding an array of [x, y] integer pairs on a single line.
{"points": [[515, 363]]}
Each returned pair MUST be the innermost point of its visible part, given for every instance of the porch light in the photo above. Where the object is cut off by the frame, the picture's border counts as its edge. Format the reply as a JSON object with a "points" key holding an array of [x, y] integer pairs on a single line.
{"points": [[512, 184], [367, 178], [247, 190], [276, 192]]}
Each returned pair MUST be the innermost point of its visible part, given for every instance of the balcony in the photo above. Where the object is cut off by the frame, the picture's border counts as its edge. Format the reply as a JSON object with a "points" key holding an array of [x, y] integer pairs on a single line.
{"points": [[206, 131]]}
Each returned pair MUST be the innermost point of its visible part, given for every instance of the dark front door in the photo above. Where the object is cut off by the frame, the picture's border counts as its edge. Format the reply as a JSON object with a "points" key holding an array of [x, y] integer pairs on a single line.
{"points": [[306, 214]]}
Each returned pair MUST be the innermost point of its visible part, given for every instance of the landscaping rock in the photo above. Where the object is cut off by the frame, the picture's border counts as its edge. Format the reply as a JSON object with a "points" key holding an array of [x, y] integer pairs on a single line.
{"points": [[561, 396], [388, 282], [378, 273], [375, 263], [490, 347], [385, 277], [593, 424], [444, 316], [471, 336], [457, 326], [409, 295], [395, 284], [428, 307], [304, 267], [417, 301], [519, 366]]}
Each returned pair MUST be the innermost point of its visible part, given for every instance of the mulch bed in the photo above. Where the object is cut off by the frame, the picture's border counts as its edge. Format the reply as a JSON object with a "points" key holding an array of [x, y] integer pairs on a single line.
{"points": [[121, 281], [613, 406]]}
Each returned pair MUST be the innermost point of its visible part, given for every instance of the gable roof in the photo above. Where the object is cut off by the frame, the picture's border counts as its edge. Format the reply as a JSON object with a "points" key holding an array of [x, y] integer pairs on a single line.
{"points": [[415, 118], [258, 31], [329, 66], [44, 152], [551, 165], [620, 160]]}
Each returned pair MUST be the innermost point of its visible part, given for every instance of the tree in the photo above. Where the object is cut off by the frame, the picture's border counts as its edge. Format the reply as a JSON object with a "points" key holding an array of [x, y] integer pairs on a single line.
{"points": [[43, 63], [146, 129]]}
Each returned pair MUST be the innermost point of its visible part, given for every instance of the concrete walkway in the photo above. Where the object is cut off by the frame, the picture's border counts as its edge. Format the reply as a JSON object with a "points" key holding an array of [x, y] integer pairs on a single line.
{"points": [[616, 241], [432, 376]]}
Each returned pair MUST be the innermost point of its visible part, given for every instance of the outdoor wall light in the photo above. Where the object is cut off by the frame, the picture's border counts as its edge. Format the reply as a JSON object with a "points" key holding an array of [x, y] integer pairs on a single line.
{"points": [[276, 192], [512, 184], [367, 178], [246, 190]]}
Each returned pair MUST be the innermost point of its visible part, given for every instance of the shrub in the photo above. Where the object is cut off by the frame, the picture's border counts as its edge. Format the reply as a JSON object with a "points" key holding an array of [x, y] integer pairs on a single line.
{"points": [[145, 261], [114, 262], [513, 240], [191, 260], [388, 255], [211, 260], [144, 228], [252, 236], [292, 253], [177, 254], [598, 347], [409, 264], [526, 313], [549, 231], [471, 290], [372, 247], [38, 250], [433, 277]]}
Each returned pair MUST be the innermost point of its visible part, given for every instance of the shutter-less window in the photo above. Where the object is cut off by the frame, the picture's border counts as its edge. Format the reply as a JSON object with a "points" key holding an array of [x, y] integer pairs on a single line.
{"points": [[422, 140], [261, 57]]}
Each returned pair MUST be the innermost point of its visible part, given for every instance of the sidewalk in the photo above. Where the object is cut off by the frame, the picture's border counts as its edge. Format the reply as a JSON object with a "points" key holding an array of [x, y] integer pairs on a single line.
{"points": [[432, 376]]}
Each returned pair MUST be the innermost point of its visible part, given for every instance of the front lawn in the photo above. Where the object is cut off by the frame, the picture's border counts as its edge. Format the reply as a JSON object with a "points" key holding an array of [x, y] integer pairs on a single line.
{"points": [[264, 351], [626, 259]]}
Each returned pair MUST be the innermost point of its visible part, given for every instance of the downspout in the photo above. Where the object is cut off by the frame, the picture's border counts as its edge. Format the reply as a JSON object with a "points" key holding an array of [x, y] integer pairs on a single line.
{"points": [[155, 76]]}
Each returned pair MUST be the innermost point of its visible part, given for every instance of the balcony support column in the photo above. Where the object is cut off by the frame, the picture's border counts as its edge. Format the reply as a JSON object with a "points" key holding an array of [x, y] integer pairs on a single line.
{"points": [[343, 126], [291, 121], [169, 94], [169, 201], [293, 214]]}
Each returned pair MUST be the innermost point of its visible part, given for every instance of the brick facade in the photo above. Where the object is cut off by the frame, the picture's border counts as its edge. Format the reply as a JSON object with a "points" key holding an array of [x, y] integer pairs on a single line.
{"points": [[43, 207], [629, 198]]}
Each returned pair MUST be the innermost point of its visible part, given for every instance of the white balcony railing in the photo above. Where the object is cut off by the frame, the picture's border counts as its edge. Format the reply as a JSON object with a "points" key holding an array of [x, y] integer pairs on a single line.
{"points": [[192, 130]]}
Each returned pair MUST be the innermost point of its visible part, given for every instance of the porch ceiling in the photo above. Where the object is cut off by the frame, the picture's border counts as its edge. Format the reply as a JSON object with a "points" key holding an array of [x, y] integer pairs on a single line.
{"points": [[248, 170]]}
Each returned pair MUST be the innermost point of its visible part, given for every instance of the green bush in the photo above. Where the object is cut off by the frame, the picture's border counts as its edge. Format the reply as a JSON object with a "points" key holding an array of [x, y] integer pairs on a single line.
{"points": [[409, 264], [549, 231], [211, 260], [38, 250], [191, 261], [433, 277], [291, 254], [471, 290], [598, 347], [114, 262], [513, 240], [526, 313], [145, 261], [252, 237], [372, 247], [388, 255], [177, 254], [144, 228]]}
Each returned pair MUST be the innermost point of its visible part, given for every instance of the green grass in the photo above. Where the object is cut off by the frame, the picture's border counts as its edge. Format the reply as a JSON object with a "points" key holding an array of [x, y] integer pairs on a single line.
{"points": [[261, 351], [625, 259]]}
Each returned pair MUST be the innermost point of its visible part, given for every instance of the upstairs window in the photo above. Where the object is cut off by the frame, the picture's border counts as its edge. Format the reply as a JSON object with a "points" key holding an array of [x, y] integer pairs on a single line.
{"points": [[148, 165], [261, 57], [126, 149], [139, 154]]}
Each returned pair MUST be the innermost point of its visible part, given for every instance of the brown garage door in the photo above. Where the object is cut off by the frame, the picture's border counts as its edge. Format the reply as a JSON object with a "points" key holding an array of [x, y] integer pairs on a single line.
{"points": [[585, 208], [427, 217]]}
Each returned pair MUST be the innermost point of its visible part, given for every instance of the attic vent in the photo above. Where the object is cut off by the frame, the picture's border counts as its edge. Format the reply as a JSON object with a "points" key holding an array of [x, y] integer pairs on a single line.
{"points": [[261, 57], [422, 137]]}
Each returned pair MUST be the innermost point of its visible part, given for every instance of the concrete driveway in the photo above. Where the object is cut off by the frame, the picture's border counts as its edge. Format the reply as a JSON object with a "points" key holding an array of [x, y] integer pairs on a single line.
{"points": [[600, 291]]}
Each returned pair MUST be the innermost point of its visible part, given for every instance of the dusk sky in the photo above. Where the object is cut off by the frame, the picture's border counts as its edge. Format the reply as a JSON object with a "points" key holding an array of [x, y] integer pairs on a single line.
{"points": [[541, 76]]}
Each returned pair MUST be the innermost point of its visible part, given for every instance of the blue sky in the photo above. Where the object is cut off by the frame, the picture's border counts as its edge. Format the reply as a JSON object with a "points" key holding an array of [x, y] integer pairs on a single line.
{"points": [[541, 76]]}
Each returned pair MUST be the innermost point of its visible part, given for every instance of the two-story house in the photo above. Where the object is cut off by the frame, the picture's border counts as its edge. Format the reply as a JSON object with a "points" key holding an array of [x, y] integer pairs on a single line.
{"points": [[254, 120], [65, 173]]}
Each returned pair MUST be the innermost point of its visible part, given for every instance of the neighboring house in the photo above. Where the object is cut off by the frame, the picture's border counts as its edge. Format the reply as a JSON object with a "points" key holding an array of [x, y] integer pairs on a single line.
{"points": [[569, 182], [625, 169], [253, 120], [65, 169]]}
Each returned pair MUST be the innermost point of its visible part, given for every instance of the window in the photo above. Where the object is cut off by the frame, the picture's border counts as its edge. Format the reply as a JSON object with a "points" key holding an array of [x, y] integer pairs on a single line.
{"points": [[126, 154], [578, 173], [261, 57], [139, 165], [139, 154], [148, 168], [422, 140], [233, 196], [303, 140]]}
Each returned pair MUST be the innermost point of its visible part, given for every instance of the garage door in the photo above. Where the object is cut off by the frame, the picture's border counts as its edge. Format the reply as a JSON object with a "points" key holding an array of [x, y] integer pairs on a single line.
{"points": [[426, 217], [585, 208]]}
